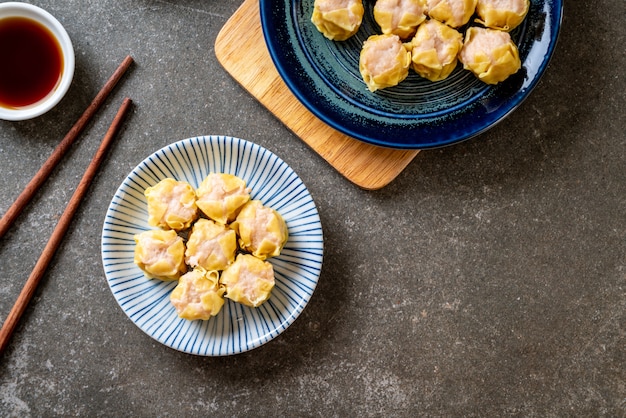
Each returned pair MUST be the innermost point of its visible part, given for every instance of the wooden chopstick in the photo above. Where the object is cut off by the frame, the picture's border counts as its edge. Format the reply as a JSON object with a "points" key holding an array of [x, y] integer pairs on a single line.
{"points": [[56, 156], [59, 231]]}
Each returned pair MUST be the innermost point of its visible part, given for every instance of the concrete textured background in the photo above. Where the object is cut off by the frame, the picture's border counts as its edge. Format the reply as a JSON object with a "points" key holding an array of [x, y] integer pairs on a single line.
{"points": [[488, 279]]}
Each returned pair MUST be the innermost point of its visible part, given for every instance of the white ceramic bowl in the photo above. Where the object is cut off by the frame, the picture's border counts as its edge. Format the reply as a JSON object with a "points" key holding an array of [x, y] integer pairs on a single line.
{"points": [[16, 9]]}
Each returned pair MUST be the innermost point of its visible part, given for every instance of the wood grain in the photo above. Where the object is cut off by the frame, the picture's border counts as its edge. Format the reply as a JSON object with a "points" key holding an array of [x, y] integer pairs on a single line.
{"points": [[240, 48]]}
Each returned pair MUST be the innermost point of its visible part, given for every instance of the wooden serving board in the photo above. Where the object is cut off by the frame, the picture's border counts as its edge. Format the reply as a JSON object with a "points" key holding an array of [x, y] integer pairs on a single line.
{"points": [[240, 48]]}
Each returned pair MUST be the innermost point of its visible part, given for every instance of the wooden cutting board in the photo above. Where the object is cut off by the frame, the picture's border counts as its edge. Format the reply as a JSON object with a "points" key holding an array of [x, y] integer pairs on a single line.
{"points": [[240, 48]]}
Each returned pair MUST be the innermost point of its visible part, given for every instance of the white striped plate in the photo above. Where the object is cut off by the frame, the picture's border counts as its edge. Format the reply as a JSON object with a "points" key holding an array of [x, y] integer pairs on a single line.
{"points": [[236, 328]]}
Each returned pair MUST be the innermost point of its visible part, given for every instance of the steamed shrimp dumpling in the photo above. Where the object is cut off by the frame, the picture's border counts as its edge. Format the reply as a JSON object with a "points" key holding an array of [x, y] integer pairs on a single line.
{"points": [[502, 14], [221, 196], [160, 254], [198, 295], [210, 245], [248, 280], [261, 229], [171, 204], [490, 54], [338, 20], [384, 61], [399, 17], [435, 49], [454, 13]]}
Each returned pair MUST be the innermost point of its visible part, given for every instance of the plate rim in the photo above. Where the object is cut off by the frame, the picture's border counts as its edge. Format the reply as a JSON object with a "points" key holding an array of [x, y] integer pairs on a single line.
{"points": [[292, 311], [278, 52]]}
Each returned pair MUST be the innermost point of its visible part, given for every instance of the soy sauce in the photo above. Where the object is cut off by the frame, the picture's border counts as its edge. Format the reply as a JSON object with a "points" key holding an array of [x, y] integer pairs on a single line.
{"points": [[31, 62]]}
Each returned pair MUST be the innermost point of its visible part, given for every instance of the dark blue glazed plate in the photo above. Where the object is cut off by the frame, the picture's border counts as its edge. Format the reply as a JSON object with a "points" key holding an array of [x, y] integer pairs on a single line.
{"points": [[416, 114]]}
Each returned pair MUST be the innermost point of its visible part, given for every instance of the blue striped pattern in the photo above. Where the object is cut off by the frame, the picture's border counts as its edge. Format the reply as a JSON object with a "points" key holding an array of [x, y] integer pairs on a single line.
{"points": [[236, 328]]}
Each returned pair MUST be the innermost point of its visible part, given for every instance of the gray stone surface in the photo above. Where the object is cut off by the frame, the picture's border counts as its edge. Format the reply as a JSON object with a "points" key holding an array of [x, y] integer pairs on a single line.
{"points": [[488, 279]]}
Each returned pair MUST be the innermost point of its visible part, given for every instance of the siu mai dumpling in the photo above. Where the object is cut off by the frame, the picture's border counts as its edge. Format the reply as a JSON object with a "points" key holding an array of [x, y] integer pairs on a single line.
{"points": [[435, 50], [160, 254], [198, 295], [502, 14], [221, 196], [454, 13], [248, 280], [384, 61], [337, 20], [171, 204], [210, 245], [490, 54], [399, 17], [262, 230]]}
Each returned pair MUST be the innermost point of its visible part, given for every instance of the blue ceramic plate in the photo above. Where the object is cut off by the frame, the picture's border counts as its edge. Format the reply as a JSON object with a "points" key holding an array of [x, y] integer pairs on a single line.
{"points": [[236, 328], [416, 114]]}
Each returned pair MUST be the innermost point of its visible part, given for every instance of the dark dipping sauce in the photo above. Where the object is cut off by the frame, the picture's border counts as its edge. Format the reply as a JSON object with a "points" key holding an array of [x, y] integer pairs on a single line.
{"points": [[31, 62]]}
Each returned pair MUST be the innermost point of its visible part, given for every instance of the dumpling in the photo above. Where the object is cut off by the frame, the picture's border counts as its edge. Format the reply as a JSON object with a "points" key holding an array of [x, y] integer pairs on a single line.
{"points": [[261, 229], [248, 280], [435, 50], [502, 14], [160, 254], [210, 245], [490, 54], [198, 295], [338, 20], [171, 204], [454, 13], [220, 196], [399, 17], [384, 61]]}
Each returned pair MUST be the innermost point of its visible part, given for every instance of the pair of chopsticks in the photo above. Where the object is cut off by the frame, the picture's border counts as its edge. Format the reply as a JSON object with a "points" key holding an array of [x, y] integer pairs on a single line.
{"points": [[31, 188]]}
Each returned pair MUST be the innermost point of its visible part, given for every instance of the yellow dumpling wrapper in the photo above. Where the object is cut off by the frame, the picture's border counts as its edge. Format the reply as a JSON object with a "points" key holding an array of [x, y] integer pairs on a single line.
{"points": [[248, 280], [454, 13], [384, 61], [210, 245], [502, 15], [399, 17], [261, 229], [490, 54], [160, 254], [198, 295], [220, 196], [435, 49], [171, 204], [338, 20]]}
